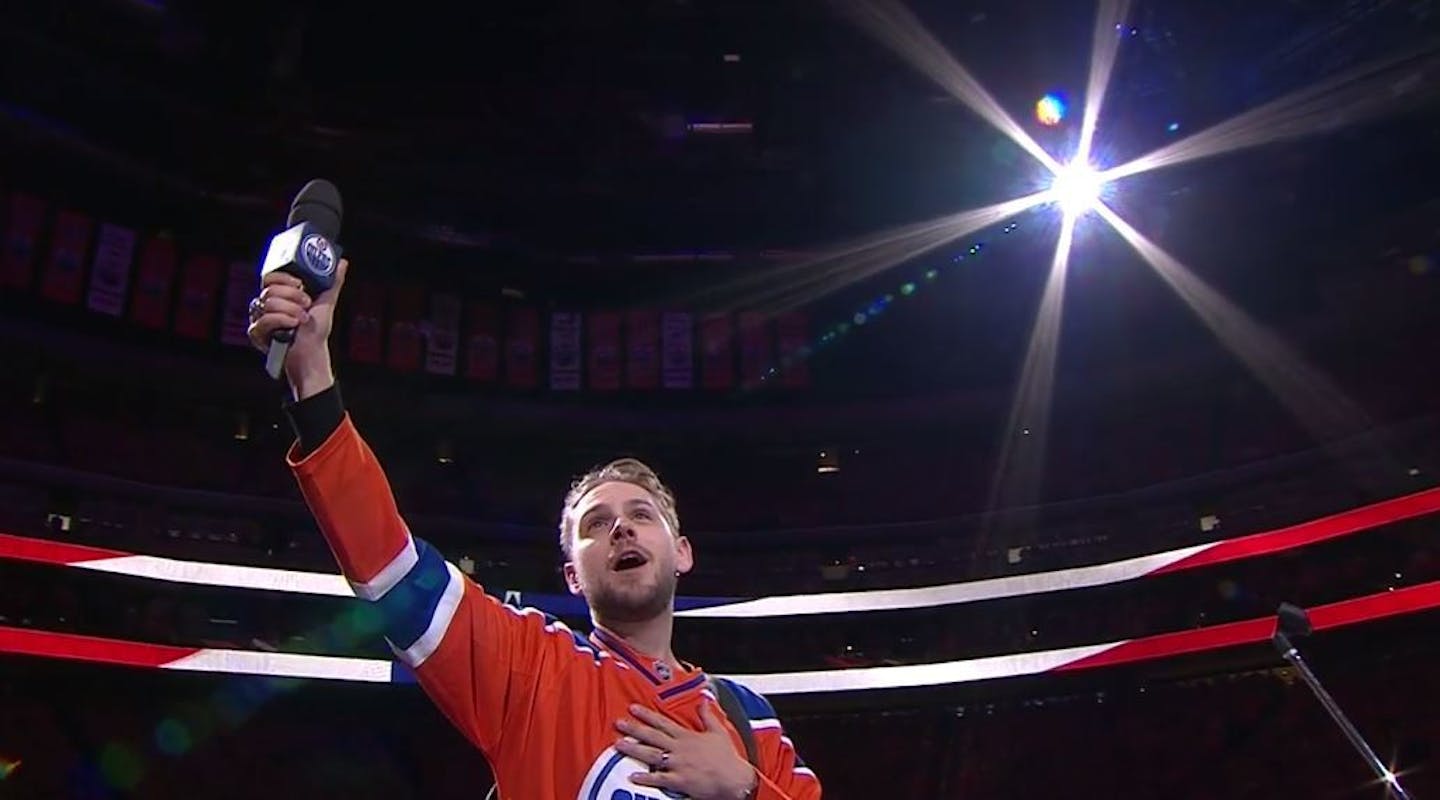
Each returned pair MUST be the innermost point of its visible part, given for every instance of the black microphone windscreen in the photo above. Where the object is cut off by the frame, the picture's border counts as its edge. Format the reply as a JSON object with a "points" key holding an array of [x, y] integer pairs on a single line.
{"points": [[318, 204]]}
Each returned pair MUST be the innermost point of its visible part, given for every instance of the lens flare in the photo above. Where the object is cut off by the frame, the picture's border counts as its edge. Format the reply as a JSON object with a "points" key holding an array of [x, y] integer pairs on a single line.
{"points": [[1382, 88], [1050, 110]]}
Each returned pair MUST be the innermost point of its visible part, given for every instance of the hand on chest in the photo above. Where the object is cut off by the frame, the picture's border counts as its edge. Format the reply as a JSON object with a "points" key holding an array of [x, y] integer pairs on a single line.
{"points": [[660, 747]]}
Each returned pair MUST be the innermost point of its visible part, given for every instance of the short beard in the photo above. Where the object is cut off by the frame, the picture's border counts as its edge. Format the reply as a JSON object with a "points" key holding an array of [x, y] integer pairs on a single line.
{"points": [[623, 607]]}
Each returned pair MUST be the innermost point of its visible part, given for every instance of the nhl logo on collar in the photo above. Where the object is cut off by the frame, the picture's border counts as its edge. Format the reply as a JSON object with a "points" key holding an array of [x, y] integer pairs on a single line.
{"points": [[663, 670]]}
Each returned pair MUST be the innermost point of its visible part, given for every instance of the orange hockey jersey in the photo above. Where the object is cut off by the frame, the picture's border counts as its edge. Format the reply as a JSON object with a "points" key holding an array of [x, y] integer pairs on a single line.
{"points": [[539, 700]]}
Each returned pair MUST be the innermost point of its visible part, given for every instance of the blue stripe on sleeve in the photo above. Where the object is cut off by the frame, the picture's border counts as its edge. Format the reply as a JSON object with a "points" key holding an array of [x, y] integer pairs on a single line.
{"points": [[409, 607]]}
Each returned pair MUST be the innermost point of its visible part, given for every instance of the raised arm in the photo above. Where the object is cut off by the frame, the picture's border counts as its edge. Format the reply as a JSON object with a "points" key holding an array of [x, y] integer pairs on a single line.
{"points": [[479, 660]]}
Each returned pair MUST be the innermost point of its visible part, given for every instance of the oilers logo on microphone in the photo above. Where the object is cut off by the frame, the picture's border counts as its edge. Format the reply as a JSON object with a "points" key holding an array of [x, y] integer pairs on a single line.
{"points": [[318, 254], [609, 779]]}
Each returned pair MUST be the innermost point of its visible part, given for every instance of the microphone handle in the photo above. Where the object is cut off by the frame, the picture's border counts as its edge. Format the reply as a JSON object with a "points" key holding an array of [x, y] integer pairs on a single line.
{"points": [[279, 348], [275, 358]]}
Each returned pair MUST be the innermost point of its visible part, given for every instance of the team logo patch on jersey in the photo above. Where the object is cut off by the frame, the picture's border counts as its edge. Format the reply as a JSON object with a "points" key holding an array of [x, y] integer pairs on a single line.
{"points": [[609, 779]]}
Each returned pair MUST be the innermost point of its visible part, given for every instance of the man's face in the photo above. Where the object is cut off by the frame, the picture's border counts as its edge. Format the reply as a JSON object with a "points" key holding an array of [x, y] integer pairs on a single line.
{"points": [[623, 556]]}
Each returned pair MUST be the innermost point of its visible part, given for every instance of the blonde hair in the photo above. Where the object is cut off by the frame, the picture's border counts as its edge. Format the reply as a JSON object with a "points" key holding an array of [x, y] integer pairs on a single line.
{"points": [[621, 470]]}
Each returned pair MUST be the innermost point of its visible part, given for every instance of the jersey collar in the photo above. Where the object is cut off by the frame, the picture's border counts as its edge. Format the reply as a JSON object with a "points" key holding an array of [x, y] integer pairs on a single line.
{"points": [[669, 681]]}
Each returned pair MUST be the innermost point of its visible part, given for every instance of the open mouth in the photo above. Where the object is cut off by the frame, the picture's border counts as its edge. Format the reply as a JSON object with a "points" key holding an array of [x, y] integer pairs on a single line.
{"points": [[630, 559]]}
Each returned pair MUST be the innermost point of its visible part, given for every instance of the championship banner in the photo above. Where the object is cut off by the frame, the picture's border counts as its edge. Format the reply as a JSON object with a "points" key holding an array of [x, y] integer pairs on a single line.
{"points": [[443, 337], [407, 308], [22, 236], [717, 359], [150, 307], [110, 272], [603, 368], [482, 346], [522, 343], [367, 308], [677, 350], [64, 278], [243, 284], [793, 334], [564, 351], [199, 288], [642, 349], [755, 350]]}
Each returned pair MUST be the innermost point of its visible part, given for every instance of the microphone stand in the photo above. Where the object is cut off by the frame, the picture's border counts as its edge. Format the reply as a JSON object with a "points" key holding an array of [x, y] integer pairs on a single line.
{"points": [[1293, 621]]}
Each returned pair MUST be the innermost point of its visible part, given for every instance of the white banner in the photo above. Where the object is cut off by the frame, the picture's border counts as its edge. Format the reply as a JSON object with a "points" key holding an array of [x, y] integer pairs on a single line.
{"points": [[244, 284], [442, 334], [564, 351], [677, 350], [110, 276]]}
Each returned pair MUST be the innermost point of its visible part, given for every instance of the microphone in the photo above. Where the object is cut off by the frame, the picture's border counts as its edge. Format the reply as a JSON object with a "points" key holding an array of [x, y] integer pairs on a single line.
{"points": [[307, 249]]}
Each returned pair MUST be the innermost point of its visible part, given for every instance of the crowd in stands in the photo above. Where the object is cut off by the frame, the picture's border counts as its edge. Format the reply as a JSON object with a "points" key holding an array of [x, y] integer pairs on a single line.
{"points": [[1257, 734], [64, 504], [138, 473]]}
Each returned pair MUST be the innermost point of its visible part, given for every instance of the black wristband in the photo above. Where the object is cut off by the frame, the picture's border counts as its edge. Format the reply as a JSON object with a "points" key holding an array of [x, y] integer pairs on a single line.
{"points": [[315, 418]]}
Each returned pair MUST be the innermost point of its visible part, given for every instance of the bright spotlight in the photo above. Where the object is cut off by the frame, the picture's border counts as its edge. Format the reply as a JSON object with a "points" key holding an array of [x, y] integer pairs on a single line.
{"points": [[1077, 188]]}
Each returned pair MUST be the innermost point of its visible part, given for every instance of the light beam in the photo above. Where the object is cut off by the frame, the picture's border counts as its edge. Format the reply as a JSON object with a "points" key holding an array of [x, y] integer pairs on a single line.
{"points": [[1371, 90], [1020, 470], [1103, 43], [897, 27], [1316, 402], [843, 264]]}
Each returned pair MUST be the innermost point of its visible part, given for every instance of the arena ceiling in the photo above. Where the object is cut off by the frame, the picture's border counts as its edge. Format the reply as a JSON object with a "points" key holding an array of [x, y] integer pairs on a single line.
{"points": [[572, 150]]}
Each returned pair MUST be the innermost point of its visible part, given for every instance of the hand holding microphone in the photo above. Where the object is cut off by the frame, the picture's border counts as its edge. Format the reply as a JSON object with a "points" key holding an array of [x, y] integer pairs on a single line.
{"points": [[291, 318]]}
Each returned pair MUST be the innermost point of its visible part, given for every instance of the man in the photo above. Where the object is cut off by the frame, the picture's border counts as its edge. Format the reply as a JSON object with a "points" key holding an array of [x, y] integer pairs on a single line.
{"points": [[615, 716]]}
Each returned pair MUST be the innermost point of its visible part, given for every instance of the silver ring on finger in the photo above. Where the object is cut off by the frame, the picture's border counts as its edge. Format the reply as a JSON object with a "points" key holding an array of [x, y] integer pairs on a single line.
{"points": [[664, 761], [257, 307]]}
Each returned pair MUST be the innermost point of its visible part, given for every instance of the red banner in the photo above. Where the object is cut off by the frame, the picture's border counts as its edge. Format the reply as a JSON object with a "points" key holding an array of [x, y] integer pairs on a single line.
{"points": [[717, 356], [792, 330], [604, 364], [64, 279], [367, 308], [642, 349], [199, 294], [150, 307], [22, 236], [522, 343], [482, 350], [755, 349], [407, 311]]}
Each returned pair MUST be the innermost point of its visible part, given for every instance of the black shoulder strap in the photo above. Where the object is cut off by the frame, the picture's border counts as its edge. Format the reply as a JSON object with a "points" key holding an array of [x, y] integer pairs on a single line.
{"points": [[736, 712]]}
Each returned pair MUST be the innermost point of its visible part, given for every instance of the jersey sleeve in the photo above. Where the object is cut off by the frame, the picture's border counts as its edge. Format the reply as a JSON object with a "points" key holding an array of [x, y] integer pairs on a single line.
{"points": [[783, 774], [480, 661]]}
